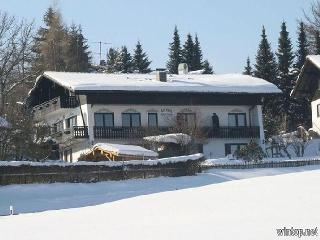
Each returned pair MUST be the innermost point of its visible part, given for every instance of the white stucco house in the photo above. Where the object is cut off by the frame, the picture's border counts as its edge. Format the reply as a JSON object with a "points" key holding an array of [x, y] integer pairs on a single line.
{"points": [[88, 108], [308, 86]]}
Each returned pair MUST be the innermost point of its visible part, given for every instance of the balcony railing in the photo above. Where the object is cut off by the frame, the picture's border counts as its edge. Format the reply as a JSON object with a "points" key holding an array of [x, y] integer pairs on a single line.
{"points": [[140, 132], [80, 132], [233, 132], [56, 104], [128, 132], [69, 102]]}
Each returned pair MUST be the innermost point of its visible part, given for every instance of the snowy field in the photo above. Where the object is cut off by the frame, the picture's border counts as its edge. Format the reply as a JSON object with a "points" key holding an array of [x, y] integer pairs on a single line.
{"points": [[217, 204]]}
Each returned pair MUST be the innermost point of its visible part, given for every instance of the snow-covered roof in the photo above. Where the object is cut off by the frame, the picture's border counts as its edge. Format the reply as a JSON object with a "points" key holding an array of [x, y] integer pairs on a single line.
{"points": [[224, 83], [315, 59], [121, 149], [178, 138], [4, 123]]}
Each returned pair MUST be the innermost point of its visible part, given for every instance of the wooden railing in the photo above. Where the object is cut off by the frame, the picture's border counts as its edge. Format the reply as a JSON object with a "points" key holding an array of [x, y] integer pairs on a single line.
{"points": [[140, 132], [233, 132], [69, 102], [128, 132], [80, 132]]}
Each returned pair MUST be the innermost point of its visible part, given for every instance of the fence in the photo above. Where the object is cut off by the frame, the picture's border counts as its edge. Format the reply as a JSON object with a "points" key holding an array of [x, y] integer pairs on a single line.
{"points": [[268, 164], [25, 174]]}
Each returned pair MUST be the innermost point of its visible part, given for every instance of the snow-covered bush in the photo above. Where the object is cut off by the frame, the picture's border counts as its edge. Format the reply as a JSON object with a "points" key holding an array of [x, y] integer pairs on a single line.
{"points": [[251, 152]]}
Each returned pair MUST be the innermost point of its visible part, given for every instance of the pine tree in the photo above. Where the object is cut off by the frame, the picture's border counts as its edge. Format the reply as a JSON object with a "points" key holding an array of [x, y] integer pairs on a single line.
{"points": [[140, 60], [78, 57], [248, 68], [266, 66], [207, 67], [197, 55], [301, 107], [285, 77], [50, 43], [285, 61], [302, 51], [188, 53], [124, 61], [112, 57], [175, 57]]}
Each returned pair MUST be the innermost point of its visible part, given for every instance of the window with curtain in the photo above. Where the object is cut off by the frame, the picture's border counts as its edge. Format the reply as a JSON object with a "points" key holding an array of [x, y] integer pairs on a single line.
{"points": [[152, 119], [237, 120], [103, 120], [131, 120]]}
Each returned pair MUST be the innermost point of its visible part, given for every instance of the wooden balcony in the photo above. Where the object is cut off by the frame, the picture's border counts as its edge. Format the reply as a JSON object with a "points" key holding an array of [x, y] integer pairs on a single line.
{"points": [[140, 132], [80, 132], [128, 132], [233, 132], [54, 105]]}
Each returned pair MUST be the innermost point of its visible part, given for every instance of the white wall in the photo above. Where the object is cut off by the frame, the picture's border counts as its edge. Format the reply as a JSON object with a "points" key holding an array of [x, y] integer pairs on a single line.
{"points": [[315, 118], [215, 148]]}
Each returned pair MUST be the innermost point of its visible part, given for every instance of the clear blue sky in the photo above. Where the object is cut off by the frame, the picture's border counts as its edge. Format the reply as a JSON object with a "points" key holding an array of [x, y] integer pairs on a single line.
{"points": [[229, 31]]}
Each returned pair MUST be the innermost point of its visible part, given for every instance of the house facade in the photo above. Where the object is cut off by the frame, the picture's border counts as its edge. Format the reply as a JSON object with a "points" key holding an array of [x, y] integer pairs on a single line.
{"points": [[308, 86], [223, 112]]}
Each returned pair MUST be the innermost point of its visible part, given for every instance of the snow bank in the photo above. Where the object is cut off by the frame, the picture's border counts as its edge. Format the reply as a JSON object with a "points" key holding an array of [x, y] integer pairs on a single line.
{"points": [[106, 163], [121, 149], [178, 138], [242, 209], [224, 83]]}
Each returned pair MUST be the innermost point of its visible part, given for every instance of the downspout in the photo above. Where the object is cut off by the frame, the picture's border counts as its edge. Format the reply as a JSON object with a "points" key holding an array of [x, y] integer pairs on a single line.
{"points": [[81, 112]]}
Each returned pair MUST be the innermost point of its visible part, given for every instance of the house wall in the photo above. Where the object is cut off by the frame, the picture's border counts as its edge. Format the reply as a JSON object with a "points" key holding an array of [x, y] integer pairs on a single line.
{"points": [[315, 118], [166, 117], [215, 148]]}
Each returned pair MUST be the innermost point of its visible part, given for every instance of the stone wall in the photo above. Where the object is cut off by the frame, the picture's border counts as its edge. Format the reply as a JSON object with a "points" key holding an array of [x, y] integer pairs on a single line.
{"points": [[27, 174]]}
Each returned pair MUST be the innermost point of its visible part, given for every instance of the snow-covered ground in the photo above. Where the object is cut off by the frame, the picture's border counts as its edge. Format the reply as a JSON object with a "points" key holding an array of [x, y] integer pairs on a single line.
{"points": [[208, 206]]}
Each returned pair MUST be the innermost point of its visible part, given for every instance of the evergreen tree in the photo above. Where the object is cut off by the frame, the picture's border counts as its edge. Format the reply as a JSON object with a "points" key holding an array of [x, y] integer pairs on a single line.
{"points": [[285, 61], [112, 58], [266, 66], [124, 61], [197, 55], [302, 51], [140, 60], [301, 107], [285, 77], [188, 53], [50, 43], [78, 56], [207, 67], [248, 68], [175, 57]]}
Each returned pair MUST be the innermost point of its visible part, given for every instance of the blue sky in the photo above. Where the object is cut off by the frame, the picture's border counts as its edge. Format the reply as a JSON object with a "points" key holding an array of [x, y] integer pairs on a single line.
{"points": [[228, 31]]}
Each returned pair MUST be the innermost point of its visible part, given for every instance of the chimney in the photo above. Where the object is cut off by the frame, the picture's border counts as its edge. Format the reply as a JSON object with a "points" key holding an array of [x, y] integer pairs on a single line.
{"points": [[183, 68], [161, 76]]}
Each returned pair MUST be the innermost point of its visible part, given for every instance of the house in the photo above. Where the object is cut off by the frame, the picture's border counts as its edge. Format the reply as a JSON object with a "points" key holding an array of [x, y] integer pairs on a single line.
{"points": [[88, 108], [3, 123], [308, 86]]}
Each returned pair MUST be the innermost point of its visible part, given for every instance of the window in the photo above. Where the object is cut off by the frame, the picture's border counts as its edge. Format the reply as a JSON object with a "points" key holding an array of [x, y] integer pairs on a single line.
{"points": [[186, 119], [237, 120], [152, 119], [103, 120], [131, 120], [58, 127], [230, 148], [70, 122], [318, 110]]}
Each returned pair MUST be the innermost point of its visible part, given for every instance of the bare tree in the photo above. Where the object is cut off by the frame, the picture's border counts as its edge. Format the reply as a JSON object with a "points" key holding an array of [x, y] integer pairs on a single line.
{"points": [[15, 55]]}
